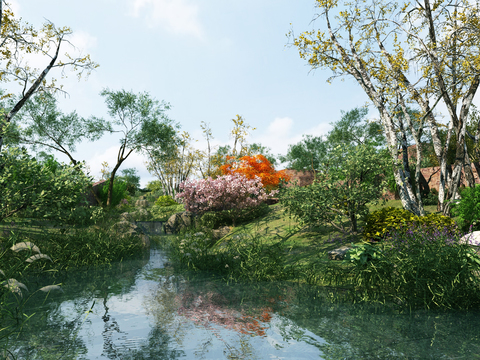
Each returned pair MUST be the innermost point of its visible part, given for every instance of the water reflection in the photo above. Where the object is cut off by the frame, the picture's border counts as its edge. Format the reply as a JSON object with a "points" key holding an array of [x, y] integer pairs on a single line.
{"points": [[144, 310]]}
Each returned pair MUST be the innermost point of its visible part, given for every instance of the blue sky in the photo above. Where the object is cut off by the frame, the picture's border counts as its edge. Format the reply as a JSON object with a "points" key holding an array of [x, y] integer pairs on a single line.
{"points": [[210, 59]]}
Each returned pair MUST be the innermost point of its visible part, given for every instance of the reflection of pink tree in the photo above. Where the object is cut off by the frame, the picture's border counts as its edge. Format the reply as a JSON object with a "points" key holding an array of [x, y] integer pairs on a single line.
{"points": [[211, 308]]}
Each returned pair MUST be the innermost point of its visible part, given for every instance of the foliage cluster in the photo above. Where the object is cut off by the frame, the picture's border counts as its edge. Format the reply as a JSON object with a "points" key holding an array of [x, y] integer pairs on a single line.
{"points": [[468, 209], [381, 222], [216, 219], [255, 166], [119, 191], [340, 194], [165, 200], [46, 191], [418, 266]]}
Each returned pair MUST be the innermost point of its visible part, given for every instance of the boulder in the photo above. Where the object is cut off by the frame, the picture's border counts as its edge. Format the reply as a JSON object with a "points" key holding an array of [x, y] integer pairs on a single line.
{"points": [[141, 214], [142, 203], [220, 232], [126, 228], [180, 221], [126, 217], [471, 239], [338, 254]]}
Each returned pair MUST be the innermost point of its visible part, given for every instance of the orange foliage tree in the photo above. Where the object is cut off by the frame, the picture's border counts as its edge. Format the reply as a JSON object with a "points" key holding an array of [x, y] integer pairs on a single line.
{"points": [[252, 166]]}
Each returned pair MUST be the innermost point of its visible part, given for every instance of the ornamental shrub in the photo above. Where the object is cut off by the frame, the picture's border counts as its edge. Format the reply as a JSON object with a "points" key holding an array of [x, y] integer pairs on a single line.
{"points": [[468, 209], [165, 200], [228, 192], [381, 222]]}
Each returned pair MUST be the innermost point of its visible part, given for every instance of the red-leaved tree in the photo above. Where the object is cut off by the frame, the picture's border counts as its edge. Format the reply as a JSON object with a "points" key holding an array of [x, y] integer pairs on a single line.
{"points": [[255, 166]]}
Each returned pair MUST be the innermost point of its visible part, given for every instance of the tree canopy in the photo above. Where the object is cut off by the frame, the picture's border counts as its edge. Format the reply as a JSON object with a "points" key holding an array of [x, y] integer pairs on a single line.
{"points": [[142, 124], [19, 39]]}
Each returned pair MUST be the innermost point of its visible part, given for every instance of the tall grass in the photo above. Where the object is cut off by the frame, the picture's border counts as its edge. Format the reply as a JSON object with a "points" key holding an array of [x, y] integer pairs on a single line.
{"points": [[415, 267], [240, 257]]}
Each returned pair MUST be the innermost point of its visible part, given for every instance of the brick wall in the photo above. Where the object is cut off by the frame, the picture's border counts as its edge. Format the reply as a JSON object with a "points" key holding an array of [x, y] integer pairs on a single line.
{"points": [[301, 178], [431, 175]]}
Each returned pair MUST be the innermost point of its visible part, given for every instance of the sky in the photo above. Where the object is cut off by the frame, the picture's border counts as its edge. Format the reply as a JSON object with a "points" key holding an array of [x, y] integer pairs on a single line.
{"points": [[210, 59]]}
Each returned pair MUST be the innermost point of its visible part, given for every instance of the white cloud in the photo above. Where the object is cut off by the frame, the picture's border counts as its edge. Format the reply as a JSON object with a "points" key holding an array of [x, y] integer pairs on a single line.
{"points": [[135, 160], [176, 16]]}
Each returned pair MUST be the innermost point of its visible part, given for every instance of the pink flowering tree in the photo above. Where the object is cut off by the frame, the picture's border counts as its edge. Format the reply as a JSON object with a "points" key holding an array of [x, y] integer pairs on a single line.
{"points": [[228, 192]]}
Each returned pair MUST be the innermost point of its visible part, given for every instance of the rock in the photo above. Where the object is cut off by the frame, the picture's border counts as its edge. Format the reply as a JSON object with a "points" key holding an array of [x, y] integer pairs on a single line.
{"points": [[126, 227], [129, 229], [338, 254], [180, 221], [126, 216], [471, 239], [220, 232], [272, 201], [141, 215], [142, 203]]}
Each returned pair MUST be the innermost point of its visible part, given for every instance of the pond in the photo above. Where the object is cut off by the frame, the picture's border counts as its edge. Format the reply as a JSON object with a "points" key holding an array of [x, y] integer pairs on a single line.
{"points": [[142, 309]]}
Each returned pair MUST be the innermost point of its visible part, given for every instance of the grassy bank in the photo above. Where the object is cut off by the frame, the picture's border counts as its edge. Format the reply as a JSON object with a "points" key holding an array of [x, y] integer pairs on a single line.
{"points": [[276, 247]]}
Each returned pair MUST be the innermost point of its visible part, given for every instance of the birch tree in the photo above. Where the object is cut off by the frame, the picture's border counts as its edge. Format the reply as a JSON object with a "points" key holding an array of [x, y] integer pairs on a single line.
{"points": [[173, 165], [405, 54]]}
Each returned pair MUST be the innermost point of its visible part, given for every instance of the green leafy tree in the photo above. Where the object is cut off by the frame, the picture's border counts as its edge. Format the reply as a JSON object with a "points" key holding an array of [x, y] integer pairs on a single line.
{"points": [[131, 178], [18, 39], [340, 194], [142, 123], [308, 154], [45, 127], [353, 129]]}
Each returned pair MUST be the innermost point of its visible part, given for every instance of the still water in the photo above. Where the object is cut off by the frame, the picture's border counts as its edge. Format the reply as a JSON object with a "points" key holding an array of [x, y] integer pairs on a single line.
{"points": [[142, 309]]}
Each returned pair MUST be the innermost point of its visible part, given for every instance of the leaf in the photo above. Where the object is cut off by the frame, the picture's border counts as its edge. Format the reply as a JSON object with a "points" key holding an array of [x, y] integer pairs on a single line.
{"points": [[50, 288], [25, 246], [14, 286], [1, 272], [38, 256]]}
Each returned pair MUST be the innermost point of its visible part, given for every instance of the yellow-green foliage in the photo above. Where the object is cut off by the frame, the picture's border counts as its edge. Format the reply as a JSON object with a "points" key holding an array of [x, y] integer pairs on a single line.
{"points": [[165, 200], [384, 220]]}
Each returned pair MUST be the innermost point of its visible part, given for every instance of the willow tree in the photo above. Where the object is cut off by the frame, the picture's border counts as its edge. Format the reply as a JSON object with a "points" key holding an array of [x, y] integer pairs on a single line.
{"points": [[141, 122], [405, 54], [19, 40]]}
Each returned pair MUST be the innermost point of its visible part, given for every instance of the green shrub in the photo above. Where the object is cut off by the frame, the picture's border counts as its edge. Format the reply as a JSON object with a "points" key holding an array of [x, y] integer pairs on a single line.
{"points": [[165, 200], [216, 219], [119, 192], [468, 209], [381, 222], [162, 213], [431, 198]]}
